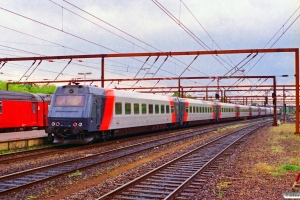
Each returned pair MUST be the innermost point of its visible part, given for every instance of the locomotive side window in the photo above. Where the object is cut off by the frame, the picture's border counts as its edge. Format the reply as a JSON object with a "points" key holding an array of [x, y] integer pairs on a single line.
{"points": [[136, 108], [118, 108], [0, 107], [150, 107], [70, 100], [187, 109], [167, 109], [144, 108], [33, 107], [127, 108], [162, 109], [191, 109], [156, 109], [194, 109], [197, 109]]}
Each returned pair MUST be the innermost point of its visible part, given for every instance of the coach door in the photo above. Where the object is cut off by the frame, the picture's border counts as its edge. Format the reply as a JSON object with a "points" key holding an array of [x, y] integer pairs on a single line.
{"points": [[98, 109], [1, 120], [177, 113], [217, 110], [181, 111], [34, 115]]}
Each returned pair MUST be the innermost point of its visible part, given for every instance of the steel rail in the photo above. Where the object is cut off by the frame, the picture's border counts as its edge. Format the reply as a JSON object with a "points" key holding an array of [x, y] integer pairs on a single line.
{"points": [[118, 191], [20, 180]]}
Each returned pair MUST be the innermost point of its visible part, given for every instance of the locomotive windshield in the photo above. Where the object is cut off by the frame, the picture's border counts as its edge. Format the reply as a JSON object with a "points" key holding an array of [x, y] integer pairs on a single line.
{"points": [[70, 100]]}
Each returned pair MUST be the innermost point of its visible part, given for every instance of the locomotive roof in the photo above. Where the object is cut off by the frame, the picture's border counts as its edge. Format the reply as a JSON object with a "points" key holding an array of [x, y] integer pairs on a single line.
{"points": [[102, 91], [10, 95], [16, 95]]}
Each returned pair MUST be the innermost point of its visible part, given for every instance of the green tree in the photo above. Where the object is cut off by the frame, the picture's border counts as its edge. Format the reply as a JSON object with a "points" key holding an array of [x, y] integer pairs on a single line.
{"points": [[31, 88]]}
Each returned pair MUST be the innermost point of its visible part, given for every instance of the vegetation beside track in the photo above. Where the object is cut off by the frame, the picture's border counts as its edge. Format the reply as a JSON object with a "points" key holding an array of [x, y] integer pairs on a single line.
{"points": [[36, 89], [266, 166]]}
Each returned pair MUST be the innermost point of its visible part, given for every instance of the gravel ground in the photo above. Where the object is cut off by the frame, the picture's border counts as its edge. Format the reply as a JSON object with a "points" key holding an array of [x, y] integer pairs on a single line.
{"points": [[253, 172], [53, 189], [250, 173]]}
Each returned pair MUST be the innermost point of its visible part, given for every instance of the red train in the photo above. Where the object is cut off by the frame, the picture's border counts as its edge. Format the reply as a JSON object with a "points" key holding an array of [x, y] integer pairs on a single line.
{"points": [[23, 111]]}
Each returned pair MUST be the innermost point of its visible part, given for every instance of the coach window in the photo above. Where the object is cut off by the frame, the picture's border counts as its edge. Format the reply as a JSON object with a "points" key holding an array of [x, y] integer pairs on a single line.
{"points": [[144, 108], [162, 109], [156, 109], [136, 108], [191, 109], [150, 108], [167, 109], [210, 109], [172, 109], [194, 109], [127, 108], [187, 109], [0, 107], [118, 108]]}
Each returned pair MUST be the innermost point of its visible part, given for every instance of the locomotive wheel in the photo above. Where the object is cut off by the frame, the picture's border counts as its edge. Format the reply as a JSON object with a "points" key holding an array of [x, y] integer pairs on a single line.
{"points": [[50, 138]]}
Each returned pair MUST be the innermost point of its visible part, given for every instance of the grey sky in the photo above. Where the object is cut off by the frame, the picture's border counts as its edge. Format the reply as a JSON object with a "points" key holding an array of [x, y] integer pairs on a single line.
{"points": [[233, 24]]}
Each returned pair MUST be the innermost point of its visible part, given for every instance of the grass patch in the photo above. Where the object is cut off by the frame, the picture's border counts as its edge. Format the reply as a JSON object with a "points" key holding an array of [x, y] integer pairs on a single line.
{"points": [[290, 167], [32, 197], [77, 173], [221, 186], [276, 149], [27, 148], [263, 167]]}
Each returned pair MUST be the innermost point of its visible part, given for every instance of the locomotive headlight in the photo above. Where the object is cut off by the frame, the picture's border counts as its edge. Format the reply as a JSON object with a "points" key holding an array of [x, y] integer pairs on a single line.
{"points": [[74, 124], [79, 124], [53, 124], [57, 123]]}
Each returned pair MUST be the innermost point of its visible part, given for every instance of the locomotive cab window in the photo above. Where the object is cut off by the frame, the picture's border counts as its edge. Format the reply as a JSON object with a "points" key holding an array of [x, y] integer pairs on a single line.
{"points": [[0, 107], [127, 108], [118, 108], [136, 108], [69, 100]]}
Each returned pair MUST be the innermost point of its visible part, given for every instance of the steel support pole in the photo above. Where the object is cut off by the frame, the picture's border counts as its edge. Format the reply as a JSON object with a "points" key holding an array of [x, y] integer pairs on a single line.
{"points": [[284, 107], [102, 72], [275, 107], [297, 89], [222, 96], [179, 88], [206, 93]]}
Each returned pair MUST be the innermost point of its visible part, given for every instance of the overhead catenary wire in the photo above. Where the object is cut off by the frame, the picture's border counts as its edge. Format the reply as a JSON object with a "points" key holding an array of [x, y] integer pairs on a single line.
{"points": [[33, 70], [130, 35]]}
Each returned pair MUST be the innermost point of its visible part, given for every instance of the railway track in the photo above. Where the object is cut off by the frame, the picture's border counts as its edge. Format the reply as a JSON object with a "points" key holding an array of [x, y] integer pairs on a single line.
{"points": [[15, 181], [62, 149], [178, 178]]}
